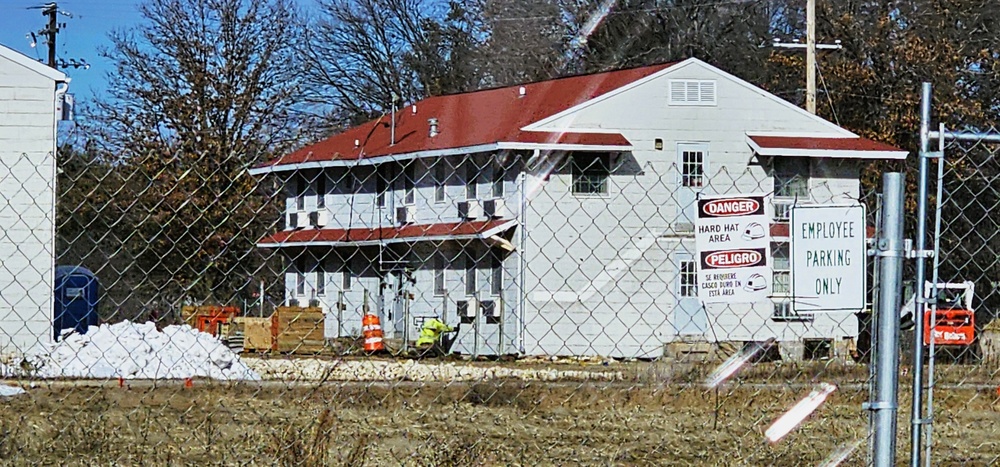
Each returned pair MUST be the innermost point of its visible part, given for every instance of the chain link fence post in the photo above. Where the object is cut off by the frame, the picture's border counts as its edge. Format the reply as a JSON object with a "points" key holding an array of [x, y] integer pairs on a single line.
{"points": [[890, 252]]}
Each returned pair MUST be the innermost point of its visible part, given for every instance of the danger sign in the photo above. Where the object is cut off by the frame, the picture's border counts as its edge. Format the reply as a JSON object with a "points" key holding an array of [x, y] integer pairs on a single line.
{"points": [[733, 238]]}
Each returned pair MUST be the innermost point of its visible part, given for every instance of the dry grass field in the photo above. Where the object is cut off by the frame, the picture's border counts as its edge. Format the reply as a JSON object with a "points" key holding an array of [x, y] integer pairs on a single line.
{"points": [[656, 418]]}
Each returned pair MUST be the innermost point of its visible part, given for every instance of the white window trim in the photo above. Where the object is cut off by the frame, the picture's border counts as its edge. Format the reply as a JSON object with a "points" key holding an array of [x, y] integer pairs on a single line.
{"points": [[440, 181], [440, 268], [693, 146], [693, 273]]}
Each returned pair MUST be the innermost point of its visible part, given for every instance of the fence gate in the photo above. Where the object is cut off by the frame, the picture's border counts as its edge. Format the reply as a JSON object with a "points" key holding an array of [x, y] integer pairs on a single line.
{"points": [[960, 294]]}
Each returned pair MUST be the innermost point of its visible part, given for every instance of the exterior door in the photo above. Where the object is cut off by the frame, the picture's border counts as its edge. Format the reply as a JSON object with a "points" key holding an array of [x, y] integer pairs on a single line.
{"points": [[689, 315], [691, 160]]}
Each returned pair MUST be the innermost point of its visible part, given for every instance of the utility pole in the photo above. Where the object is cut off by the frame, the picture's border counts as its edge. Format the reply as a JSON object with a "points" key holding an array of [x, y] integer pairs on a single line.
{"points": [[810, 47], [51, 10], [811, 56]]}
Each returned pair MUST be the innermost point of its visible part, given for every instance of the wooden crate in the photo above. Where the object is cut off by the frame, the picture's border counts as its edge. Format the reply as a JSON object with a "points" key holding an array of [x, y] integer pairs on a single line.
{"points": [[256, 333], [298, 330]]}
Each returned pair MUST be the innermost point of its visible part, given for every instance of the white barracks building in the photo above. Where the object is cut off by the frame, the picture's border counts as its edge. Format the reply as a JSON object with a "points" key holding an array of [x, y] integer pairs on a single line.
{"points": [[556, 218]]}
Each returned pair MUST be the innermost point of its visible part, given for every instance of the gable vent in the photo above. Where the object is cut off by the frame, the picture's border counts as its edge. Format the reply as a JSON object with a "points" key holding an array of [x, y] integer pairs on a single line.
{"points": [[692, 92]]}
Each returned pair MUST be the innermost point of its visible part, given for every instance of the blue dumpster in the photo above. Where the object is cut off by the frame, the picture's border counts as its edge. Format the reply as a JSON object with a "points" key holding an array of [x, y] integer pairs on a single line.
{"points": [[76, 290]]}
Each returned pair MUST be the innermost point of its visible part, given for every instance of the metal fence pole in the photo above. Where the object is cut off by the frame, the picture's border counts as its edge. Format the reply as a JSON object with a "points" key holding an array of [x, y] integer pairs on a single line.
{"points": [[890, 252], [919, 300]]}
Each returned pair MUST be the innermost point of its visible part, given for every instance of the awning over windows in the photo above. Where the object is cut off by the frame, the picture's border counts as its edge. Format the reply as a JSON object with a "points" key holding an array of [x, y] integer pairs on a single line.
{"points": [[397, 234], [813, 146]]}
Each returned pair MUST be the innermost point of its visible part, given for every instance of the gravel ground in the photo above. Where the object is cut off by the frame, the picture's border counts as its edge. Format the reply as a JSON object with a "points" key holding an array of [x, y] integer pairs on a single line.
{"points": [[412, 370]]}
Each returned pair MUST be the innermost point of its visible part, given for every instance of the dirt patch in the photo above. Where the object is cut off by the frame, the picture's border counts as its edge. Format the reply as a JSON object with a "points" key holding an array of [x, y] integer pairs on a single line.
{"points": [[502, 422]]}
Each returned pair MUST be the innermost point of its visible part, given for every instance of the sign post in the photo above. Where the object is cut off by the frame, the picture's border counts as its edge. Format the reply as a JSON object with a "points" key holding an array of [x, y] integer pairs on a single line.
{"points": [[733, 238], [828, 258]]}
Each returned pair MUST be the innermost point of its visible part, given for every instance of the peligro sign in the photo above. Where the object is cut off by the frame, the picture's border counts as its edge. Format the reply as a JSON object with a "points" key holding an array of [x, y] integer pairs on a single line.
{"points": [[734, 259]]}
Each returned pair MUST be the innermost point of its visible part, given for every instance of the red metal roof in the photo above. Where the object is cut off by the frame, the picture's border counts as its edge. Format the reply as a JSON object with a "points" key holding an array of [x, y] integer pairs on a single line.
{"points": [[475, 118], [825, 144], [455, 229]]}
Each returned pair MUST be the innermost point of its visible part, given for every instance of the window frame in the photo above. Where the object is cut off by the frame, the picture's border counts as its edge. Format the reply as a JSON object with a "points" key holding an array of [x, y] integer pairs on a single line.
{"points": [[382, 182], [788, 183], [692, 170], [346, 277], [300, 278], [321, 278], [496, 276], [596, 173], [440, 276], [687, 278], [471, 180], [410, 184], [440, 181], [497, 182], [471, 287], [321, 191], [701, 86], [300, 191]]}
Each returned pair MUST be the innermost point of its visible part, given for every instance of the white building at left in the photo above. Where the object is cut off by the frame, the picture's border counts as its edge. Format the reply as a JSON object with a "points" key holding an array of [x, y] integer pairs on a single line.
{"points": [[29, 92]]}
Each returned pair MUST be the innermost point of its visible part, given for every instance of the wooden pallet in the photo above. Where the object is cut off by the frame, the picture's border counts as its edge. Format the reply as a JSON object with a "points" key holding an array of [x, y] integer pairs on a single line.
{"points": [[256, 333], [298, 330]]}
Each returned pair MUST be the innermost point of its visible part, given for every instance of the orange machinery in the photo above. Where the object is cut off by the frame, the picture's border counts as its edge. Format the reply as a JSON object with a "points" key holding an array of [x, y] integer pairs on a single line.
{"points": [[214, 320], [955, 320]]}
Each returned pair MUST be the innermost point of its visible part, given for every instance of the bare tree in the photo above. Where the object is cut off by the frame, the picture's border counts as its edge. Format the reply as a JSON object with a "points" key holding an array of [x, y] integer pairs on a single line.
{"points": [[201, 92]]}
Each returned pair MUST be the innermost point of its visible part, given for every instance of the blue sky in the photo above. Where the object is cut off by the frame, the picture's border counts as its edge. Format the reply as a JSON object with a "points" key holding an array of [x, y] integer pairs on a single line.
{"points": [[85, 33]]}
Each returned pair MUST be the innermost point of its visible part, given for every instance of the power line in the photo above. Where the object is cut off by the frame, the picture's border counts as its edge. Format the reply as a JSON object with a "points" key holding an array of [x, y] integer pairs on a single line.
{"points": [[51, 32]]}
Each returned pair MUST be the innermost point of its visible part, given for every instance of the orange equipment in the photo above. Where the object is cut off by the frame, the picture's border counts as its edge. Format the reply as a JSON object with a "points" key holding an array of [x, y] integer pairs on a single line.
{"points": [[214, 320], [955, 321], [371, 329]]}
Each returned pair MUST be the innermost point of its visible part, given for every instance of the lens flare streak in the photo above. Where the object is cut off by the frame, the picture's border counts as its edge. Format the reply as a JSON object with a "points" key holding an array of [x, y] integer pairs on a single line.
{"points": [[797, 414], [841, 454], [734, 363]]}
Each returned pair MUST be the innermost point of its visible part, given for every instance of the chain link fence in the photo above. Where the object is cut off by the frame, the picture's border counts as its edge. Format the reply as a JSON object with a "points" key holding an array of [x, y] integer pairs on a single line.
{"points": [[961, 289], [395, 294]]}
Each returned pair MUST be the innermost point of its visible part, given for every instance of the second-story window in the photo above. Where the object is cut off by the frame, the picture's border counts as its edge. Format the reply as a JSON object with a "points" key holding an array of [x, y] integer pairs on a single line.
{"points": [[300, 192], [498, 175], [470, 275], [471, 179], [440, 178], [321, 191], [382, 181], [791, 177], [409, 184], [300, 277]]}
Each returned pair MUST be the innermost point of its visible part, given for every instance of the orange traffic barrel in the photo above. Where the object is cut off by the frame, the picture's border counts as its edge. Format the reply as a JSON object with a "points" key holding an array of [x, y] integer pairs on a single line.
{"points": [[372, 331]]}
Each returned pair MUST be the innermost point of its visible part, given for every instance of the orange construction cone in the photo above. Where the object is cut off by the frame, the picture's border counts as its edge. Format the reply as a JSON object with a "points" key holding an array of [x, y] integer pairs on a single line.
{"points": [[371, 329], [188, 383]]}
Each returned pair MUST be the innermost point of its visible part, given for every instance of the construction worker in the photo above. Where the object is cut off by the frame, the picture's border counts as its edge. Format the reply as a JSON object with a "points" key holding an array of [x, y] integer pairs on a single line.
{"points": [[429, 342]]}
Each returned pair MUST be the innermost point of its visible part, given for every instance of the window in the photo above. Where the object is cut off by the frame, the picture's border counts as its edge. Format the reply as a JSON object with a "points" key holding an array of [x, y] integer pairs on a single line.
{"points": [[440, 178], [498, 176], [471, 180], [692, 92], [590, 174], [783, 313], [692, 167], [496, 281], [470, 275], [300, 277], [688, 279], [300, 192], [383, 178], [321, 278], [781, 271], [439, 275], [791, 177], [409, 185], [321, 191], [345, 278]]}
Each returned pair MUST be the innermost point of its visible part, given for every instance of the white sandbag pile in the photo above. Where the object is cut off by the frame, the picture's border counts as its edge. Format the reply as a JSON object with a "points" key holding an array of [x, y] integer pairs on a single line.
{"points": [[140, 351]]}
